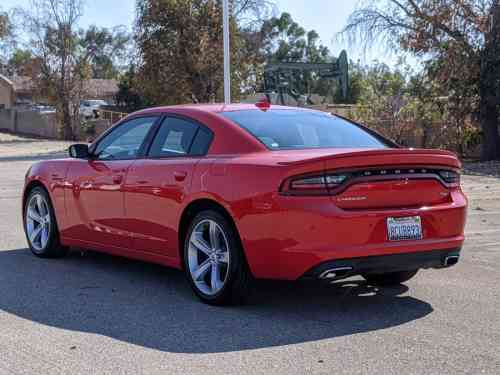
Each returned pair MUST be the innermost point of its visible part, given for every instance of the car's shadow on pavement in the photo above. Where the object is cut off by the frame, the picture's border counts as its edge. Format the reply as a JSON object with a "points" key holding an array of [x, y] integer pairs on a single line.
{"points": [[152, 306]]}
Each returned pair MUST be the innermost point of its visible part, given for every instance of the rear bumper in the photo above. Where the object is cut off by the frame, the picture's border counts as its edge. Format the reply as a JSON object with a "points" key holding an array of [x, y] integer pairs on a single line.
{"points": [[342, 268], [297, 234]]}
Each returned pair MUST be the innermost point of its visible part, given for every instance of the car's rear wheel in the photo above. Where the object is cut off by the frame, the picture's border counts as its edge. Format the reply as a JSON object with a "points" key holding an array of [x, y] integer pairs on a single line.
{"points": [[40, 226], [214, 262], [391, 278]]}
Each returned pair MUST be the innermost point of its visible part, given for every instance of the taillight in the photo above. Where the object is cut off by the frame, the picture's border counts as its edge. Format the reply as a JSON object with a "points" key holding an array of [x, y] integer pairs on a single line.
{"points": [[450, 177], [313, 184], [330, 183], [333, 180]]}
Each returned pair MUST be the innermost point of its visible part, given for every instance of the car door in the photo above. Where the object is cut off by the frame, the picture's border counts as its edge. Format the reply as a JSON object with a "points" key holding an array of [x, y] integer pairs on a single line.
{"points": [[157, 185], [96, 202]]}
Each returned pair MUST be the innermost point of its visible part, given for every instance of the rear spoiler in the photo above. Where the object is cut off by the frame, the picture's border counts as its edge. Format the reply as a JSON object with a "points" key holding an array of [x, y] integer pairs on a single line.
{"points": [[447, 158]]}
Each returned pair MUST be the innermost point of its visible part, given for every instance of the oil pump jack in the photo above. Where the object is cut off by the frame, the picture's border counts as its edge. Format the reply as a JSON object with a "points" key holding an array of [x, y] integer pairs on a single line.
{"points": [[284, 79]]}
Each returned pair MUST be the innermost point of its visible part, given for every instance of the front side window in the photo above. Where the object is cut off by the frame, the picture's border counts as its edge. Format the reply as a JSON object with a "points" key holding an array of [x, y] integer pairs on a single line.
{"points": [[295, 129], [126, 140]]}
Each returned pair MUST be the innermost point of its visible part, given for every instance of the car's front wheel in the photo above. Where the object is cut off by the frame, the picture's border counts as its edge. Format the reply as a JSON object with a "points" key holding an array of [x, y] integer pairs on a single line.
{"points": [[214, 262], [40, 225], [391, 278]]}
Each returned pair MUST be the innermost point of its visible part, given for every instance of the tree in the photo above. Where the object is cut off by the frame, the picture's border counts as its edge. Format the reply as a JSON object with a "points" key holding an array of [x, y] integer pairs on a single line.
{"points": [[181, 52], [51, 25], [20, 63], [412, 107], [106, 47], [462, 36], [68, 57], [427, 105], [284, 40], [4, 25], [128, 98], [489, 84], [180, 44], [384, 99], [7, 37]]}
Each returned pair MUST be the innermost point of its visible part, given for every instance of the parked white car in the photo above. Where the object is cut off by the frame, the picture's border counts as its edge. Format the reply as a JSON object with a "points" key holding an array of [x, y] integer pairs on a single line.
{"points": [[89, 108], [44, 108]]}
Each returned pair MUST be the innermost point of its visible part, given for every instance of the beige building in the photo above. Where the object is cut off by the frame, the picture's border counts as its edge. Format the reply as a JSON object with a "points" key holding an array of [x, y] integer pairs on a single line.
{"points": [[7, 95]]}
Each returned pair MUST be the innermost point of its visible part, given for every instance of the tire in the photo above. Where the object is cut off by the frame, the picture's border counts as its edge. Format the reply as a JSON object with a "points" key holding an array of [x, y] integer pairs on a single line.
{"points": [[388, 279], [207, 231], [46, 243]]}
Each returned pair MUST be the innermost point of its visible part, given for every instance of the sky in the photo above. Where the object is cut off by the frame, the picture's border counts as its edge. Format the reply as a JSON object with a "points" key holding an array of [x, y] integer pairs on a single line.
{"points": [[327, 17]]}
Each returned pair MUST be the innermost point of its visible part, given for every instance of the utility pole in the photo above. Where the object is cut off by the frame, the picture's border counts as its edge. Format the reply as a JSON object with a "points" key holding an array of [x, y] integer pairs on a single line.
{"points": [[227, 54]]}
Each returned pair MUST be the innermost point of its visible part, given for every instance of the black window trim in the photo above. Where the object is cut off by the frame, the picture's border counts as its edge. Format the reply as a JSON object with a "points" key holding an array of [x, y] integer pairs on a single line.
{"points": [[145, 143], [165, 117]]}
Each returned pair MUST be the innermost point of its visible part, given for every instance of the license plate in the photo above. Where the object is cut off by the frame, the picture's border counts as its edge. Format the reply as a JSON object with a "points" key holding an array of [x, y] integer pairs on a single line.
{"points": [[404, 228]]}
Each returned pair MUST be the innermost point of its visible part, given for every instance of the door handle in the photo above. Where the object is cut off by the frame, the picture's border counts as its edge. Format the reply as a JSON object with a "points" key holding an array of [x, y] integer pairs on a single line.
{"points": [[117, 179], [180, 175]]}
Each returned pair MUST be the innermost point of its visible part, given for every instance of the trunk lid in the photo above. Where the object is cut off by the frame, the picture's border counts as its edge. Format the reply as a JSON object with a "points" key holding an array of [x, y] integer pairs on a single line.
{"points": [[381, 178], [402, 193]]}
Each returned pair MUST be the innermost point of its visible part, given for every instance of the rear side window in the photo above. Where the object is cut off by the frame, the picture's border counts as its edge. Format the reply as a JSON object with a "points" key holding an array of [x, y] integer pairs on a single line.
{"points": [[178, 137], [202, 141], [293, 129]]}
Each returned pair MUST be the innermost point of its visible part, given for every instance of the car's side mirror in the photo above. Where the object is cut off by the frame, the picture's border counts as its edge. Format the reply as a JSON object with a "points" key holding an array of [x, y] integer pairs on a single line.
{"points": [[79, 151]]}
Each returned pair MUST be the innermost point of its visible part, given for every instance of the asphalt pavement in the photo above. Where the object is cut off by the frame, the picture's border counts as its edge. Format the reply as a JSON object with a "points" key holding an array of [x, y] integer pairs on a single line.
{"points": [[98, 314]]}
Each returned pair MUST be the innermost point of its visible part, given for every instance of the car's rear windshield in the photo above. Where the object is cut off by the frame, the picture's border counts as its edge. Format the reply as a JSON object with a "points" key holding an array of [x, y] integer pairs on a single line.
{"points": [[296, 129]]}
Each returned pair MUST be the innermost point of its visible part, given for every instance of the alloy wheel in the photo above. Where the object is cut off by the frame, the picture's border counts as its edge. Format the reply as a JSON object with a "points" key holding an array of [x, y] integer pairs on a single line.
{"points": [[208, 257], [38, 222]]}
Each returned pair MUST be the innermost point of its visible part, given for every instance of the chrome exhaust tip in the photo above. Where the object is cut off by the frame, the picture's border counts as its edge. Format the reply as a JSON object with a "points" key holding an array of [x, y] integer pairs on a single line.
{"points": [[450, 260], [335, 273]]}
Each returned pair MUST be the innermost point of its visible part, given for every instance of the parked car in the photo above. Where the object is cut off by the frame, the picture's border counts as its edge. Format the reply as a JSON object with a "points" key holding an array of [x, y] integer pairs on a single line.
{"points": [[90, 108], [229, 193], [41, 108]]}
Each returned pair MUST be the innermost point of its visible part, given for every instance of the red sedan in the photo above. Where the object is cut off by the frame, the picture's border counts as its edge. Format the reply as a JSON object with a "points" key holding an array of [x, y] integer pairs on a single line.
{"points": [[229, 193]]}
